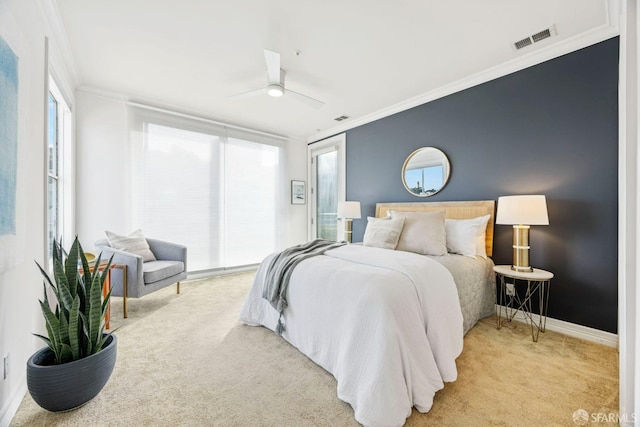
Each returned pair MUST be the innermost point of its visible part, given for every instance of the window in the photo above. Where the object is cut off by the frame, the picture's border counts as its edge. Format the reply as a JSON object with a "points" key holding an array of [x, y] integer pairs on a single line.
{"points": [[58, 144], [218, 194]]}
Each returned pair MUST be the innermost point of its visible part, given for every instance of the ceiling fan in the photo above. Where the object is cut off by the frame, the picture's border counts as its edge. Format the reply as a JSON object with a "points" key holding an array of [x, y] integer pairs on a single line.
{"points": [[275, 82]]}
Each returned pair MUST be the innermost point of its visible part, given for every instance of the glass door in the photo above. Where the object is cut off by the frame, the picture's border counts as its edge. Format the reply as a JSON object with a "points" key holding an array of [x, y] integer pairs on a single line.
{"points": [[326, 195], [327, 188]]}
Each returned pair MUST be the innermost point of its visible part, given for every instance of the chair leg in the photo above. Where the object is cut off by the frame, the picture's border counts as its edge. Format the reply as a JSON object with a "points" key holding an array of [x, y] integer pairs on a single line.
{"points": [[124, 290], [178, 288]]}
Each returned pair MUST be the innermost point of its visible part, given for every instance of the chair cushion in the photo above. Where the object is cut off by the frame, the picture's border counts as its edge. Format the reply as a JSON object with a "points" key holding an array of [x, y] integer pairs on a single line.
{"points": [[154, 271]]}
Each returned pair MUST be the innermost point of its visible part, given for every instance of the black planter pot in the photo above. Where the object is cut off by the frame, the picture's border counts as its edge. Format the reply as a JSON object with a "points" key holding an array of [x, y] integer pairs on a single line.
{"points": [[68, 386]]}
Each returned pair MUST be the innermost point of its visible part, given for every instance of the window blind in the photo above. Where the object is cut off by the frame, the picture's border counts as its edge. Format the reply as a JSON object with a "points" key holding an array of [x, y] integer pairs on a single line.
{"points": [[219, 195]]}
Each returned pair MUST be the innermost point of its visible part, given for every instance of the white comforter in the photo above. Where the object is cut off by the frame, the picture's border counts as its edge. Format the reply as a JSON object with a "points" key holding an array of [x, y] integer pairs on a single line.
{"points": [[387, 325]]}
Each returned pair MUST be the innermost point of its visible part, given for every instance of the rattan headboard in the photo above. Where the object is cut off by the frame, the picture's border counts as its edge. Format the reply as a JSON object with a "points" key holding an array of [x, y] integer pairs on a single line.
{"points": [[453, 210]]}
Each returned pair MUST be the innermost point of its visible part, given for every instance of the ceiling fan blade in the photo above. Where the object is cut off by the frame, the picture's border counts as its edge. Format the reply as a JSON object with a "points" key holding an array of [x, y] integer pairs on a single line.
{"points": [[247, 94], [273, 66], [315, 103]]}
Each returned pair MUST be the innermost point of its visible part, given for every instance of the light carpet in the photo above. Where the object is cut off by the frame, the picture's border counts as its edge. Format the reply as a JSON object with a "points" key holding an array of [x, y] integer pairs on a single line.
{"points": [[184, 360]]}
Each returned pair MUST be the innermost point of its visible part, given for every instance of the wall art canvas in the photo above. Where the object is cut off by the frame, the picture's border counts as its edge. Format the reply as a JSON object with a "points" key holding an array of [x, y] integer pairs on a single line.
{"points": [[9, 82], [14, 79]]}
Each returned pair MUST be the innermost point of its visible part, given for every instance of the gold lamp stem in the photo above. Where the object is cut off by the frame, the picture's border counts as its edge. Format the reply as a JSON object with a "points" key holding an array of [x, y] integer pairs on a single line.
{"points": [[521, 248], [348, 229]]}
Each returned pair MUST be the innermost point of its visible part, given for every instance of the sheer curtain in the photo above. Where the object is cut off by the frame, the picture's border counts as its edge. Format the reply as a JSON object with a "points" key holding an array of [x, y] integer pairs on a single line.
{"points": [[250, 202], [215, 191]]}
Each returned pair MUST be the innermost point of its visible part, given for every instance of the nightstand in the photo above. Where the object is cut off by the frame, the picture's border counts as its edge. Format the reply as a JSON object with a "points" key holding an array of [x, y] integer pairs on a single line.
{"points": [[511, 300]]}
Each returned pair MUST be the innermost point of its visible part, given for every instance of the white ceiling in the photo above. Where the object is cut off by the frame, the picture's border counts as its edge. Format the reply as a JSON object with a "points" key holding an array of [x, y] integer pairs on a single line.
{"points": [[358, 56]]}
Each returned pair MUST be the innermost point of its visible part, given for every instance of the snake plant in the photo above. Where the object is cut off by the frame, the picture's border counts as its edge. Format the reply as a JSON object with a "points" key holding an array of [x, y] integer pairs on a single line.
{"points": [[75, 325]]}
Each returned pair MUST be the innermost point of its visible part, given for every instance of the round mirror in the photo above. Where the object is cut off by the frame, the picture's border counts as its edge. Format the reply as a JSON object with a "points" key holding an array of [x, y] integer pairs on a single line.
{"points": [[425, 172]]}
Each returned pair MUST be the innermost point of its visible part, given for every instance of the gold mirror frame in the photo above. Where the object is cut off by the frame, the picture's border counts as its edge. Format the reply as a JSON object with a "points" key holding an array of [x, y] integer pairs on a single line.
{"points": [[418, 163]]}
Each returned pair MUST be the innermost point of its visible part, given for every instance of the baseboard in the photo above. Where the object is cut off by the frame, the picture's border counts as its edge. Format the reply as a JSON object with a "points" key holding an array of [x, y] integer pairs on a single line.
{"points": [[10, 410], [574, 330], [206, 274]]}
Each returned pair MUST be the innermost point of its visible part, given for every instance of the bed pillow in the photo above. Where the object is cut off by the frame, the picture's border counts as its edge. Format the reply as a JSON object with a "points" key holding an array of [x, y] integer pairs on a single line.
{"points": [[382, 232], [467, 236], [134, 243], [481, 237], [423, 232]]}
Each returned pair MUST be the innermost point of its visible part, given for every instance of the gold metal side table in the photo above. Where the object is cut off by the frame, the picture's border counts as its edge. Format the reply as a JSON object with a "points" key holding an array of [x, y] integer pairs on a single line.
{"points": [[510, 301]]}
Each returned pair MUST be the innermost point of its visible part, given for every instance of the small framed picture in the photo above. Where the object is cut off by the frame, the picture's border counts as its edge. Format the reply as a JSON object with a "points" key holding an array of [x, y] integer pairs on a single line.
{"points": [[298, 193]]}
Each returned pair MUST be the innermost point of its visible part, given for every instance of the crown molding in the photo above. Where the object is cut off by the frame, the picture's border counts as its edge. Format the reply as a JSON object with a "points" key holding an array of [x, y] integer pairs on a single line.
{"points": [[63, 65], [177, 111], [597, 34], [103, 93]]}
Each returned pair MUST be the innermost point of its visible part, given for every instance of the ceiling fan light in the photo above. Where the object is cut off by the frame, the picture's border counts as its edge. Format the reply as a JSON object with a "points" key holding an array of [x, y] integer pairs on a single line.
{"points": [[275, 90]]}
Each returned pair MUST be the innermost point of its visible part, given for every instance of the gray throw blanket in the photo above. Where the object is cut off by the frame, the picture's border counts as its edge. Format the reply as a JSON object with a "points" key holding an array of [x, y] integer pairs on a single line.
{"points": [[281, 267]]}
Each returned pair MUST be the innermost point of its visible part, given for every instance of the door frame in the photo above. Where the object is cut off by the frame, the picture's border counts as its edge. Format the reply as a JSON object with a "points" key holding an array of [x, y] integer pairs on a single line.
{"points": [[336, 142]]}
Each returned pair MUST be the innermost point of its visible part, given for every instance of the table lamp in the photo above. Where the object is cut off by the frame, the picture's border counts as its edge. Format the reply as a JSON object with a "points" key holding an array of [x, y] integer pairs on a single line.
{"points": [[348, 211], [522, 212]]}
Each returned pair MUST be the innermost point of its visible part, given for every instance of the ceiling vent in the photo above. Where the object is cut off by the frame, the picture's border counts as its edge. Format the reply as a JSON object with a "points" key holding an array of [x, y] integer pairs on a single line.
{"points": [[341, 118], [539, 36], [523, 43]]}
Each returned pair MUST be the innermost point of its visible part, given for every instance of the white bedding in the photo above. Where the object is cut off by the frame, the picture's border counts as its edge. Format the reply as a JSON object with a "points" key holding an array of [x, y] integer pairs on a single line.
{"points": [[387, 324], [476, 283]]}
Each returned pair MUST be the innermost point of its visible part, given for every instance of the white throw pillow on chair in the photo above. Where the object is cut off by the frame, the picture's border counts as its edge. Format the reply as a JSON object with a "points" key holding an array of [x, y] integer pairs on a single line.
{"points": [[134, 243]]}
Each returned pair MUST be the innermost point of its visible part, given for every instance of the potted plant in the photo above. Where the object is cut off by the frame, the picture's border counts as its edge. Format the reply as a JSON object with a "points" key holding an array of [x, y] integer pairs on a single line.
{"points": [[80, 356]]}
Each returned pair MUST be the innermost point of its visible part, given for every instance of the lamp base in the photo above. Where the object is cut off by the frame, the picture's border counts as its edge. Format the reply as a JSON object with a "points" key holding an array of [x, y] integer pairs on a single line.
{"points": [[348, 230], [521, 249]]}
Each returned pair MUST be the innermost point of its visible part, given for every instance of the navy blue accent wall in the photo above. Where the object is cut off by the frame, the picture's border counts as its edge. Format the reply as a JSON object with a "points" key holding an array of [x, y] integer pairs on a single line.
{"points": [[550, 129]]}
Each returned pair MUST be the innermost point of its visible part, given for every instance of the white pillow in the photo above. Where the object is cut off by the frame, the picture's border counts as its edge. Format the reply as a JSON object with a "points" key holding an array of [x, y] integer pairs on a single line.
{"points": [[423, 232], [382, 232], [467, 236], [134, 243], [481, 237]]}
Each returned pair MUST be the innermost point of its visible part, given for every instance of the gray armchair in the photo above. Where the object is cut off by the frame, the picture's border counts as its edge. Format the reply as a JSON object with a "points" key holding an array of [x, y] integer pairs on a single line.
{"points": [[141, 278]]}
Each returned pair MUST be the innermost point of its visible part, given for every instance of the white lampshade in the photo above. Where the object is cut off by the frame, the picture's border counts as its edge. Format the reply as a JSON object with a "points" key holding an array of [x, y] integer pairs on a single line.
{"points": [[525, 210], [349, 210]]}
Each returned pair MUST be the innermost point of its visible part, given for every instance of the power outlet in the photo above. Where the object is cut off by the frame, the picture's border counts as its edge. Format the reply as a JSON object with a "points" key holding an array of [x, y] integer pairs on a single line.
{"points": [[511, 290], [6, 367]]}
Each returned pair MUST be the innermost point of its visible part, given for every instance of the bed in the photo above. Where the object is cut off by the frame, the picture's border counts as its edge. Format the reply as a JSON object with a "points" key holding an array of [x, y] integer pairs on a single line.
{"points": [[387, 324]]}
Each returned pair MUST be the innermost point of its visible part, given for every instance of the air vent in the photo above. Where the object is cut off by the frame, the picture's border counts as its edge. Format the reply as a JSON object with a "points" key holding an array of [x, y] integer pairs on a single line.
{"points": [[523, 43], [539, 36], [341, 118]]}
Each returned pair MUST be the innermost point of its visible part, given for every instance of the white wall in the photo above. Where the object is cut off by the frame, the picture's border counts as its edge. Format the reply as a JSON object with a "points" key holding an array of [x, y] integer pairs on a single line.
{"points": [[102, 190], [296, 218], [104, 165], [21, 285]]}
